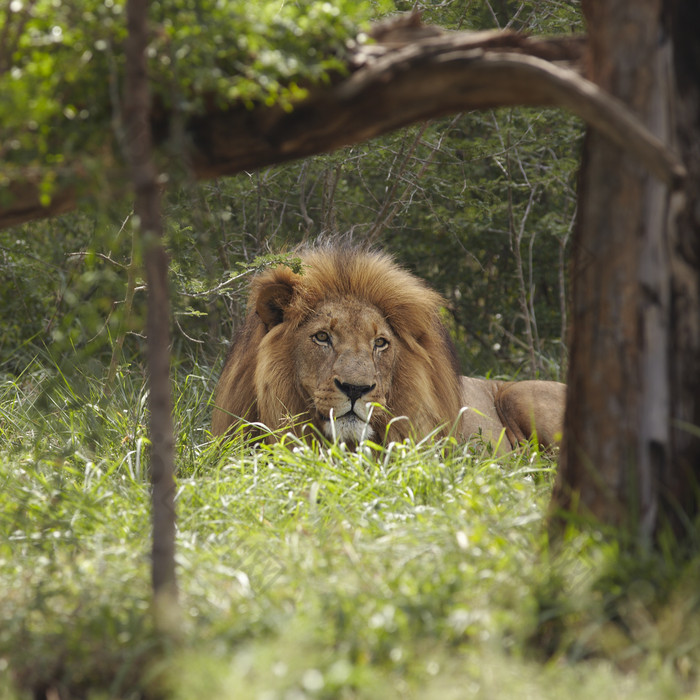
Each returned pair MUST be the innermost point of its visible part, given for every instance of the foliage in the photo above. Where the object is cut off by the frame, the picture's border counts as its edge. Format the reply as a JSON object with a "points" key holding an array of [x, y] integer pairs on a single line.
{"points": [[519, 15], [61, 65], [416, 570]]}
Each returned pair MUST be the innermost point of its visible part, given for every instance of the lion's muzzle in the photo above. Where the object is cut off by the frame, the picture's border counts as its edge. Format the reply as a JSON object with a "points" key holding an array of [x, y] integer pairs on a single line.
{"points": [[348, 420]]}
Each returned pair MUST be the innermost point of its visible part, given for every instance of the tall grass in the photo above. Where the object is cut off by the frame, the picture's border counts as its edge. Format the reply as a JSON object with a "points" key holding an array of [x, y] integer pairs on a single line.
{"points": [[419, 571]]}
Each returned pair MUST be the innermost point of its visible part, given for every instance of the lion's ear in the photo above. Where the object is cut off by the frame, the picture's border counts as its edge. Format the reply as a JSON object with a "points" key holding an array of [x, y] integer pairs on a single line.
{"points": [[272, 301]]}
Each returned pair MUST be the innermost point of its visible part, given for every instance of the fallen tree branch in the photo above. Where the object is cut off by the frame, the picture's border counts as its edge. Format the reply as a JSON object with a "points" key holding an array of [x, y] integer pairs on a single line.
{"points": [[415, 73]]}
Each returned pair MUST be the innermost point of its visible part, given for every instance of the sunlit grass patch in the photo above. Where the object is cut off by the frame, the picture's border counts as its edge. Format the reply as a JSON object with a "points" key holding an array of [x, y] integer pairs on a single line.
{"points": [[305, 569]]}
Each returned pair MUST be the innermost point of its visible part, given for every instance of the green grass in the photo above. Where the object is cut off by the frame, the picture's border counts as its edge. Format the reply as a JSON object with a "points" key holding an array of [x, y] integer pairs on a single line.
{"points": [[416, 571]]}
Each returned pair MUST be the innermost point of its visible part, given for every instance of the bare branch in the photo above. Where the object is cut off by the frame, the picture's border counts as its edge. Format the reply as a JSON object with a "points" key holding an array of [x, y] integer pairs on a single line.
{"points": [[101, 256], [214, 291]]}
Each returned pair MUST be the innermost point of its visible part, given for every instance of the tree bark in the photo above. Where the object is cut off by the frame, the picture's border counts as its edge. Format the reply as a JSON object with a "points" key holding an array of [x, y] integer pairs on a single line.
{"points": [[635, 305], [147, 211], [681, 483]]}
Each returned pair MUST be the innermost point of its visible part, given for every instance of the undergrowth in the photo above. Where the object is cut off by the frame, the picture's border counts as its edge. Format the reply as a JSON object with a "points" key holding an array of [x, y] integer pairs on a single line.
{"points": [[310, 571]]}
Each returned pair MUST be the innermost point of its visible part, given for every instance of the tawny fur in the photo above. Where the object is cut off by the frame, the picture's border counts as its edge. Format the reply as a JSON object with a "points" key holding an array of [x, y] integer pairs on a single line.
{"points": [[273, 376]]}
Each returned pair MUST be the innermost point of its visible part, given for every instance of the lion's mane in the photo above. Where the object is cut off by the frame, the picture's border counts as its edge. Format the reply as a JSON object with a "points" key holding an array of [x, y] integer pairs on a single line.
{"points": [[258, 383]]}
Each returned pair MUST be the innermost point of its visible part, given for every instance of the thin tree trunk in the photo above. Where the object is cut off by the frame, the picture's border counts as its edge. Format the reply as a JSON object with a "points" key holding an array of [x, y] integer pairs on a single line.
{"points": [[147, 211], [563, 306], [633, 349], [525, 293]]}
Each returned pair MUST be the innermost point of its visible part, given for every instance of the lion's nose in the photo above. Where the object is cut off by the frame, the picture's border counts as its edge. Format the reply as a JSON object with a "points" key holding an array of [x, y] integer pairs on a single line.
{"points": [[354, 391]]}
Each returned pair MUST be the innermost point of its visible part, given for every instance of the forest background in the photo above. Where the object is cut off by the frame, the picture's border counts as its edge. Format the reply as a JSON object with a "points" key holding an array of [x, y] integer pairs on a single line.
{"points": [[480, 204]]}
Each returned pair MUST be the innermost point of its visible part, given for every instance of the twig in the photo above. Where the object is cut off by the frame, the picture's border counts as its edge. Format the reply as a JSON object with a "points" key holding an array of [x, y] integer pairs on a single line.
{"points": [[215, 290], [101, 256]]}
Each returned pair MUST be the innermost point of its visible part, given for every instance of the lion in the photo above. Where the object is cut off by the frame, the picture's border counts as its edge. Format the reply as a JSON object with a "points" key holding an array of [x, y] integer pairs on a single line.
{"points": [[354, 345]]}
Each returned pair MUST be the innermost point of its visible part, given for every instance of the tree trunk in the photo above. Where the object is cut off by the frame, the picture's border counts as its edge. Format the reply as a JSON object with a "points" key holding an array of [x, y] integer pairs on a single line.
{"points": [[148, 215], [635, 351], [683, 19]]}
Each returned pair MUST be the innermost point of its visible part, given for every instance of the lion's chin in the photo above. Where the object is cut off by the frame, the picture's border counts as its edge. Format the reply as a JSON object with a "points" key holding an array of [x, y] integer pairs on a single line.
{"points": [[348, 428]]}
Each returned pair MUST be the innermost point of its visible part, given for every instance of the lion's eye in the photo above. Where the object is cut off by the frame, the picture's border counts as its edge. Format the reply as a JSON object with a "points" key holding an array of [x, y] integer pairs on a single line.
{"points": [[381, 343], [321, 338]]}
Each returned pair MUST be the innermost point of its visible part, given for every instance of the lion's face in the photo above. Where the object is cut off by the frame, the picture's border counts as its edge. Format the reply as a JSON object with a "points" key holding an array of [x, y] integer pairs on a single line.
{"points": [[344, 356]]}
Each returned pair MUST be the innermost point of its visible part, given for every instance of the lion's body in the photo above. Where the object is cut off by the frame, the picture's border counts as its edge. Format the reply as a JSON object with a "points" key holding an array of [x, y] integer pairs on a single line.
{"points": [[355, 341]]}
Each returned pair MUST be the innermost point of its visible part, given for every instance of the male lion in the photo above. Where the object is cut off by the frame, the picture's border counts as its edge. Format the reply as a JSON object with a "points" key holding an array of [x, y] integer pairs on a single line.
{"points": [[354, 344]]}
